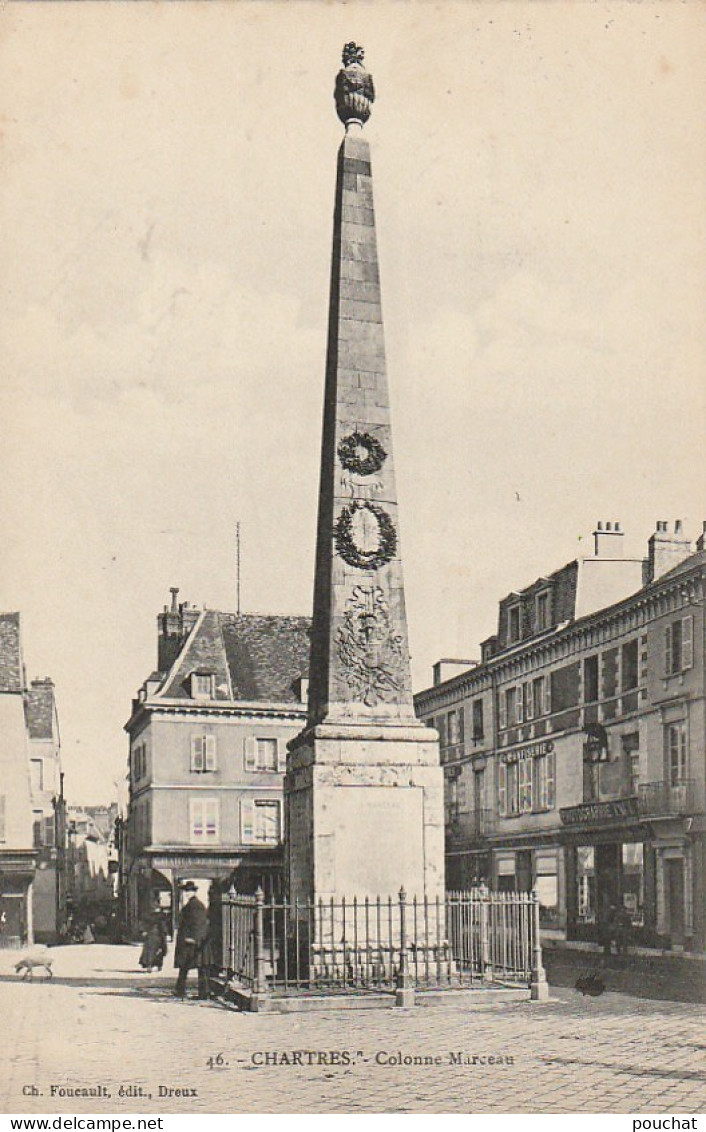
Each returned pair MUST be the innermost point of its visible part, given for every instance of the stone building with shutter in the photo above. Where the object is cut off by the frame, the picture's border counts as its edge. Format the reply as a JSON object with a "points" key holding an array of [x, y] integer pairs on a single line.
{"points": [[18, 858], [574, 751], [208, 738]]}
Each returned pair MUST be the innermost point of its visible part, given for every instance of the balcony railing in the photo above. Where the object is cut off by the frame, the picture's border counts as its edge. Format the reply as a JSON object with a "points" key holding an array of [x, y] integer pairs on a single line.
{"points": [[656, 799], [469, 828]]}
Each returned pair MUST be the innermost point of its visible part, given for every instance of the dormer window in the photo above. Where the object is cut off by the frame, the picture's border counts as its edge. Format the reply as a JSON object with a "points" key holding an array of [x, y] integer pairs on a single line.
{"points": [[542, 618], [202, 685], [514, 622]]}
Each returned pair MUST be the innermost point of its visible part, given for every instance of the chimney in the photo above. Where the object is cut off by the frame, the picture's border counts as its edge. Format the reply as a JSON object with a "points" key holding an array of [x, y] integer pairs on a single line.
{"points": [[448, 667], [701, 540], [169, 633], [608, 540], [189, 617], [666, 548]]}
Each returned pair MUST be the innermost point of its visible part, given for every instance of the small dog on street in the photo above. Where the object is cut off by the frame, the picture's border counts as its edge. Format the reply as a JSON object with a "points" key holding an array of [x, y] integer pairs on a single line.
{"points": [[37, 957]]}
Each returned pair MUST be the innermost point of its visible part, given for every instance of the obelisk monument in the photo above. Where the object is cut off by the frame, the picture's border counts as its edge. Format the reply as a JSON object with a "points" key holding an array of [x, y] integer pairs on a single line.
{"points": [[363, 791]]}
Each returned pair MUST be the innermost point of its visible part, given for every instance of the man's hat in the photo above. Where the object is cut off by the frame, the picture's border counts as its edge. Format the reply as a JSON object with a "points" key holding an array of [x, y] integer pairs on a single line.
{"points": [[189, 887]]}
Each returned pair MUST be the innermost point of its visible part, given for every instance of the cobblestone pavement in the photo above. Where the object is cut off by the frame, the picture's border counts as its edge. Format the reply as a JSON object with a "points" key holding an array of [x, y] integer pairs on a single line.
{"points": [[103, 1022]]}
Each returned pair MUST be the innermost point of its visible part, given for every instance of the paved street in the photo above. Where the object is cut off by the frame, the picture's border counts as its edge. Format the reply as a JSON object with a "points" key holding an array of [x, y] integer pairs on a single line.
{"points": [[102, 1022]]}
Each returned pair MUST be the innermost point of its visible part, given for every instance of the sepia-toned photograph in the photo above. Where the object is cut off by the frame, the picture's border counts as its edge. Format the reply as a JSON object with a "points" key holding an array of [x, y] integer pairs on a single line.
{"points": [[352, 588]]}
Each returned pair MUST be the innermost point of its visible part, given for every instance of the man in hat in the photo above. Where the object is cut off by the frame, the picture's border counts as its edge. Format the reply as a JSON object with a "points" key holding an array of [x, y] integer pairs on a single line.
{"points": [[192, 943]]}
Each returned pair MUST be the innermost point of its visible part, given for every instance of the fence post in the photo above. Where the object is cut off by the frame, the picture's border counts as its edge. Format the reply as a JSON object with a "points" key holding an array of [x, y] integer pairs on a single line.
{"points": [[486, 963], [404, 994], [259, 988], [539, 988]]}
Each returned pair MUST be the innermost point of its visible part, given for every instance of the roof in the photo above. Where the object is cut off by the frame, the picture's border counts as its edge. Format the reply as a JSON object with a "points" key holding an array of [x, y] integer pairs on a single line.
{"points": [[11, 675], [693, 562], [39, 709], [253, 657], [690, 563]]}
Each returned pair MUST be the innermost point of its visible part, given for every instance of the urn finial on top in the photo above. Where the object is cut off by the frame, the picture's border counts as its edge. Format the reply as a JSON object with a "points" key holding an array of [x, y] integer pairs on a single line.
{"points": [[354, 92]]}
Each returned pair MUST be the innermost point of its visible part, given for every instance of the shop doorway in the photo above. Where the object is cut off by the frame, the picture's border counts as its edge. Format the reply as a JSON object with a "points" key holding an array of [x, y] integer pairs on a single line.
{"points": [[607, 879], [675, 899]]}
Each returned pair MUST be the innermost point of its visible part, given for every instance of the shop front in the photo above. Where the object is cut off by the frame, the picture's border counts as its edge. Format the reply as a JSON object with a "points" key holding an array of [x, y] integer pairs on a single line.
{"points": [[610, 868], [536, 865], [17, 872]]}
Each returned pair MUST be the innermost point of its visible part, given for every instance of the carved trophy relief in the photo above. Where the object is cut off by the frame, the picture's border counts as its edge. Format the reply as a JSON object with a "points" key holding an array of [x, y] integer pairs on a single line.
{"points": [[371, 653]]}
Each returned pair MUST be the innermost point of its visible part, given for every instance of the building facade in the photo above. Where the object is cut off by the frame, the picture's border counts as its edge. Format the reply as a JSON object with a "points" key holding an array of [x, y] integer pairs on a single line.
{"points": [[208, 734], [574, 750], [49, 891]]}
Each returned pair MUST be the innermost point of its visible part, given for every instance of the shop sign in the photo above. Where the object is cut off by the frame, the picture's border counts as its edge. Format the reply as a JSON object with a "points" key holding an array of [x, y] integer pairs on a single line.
{"points": [[530, 751], [599, 811]]}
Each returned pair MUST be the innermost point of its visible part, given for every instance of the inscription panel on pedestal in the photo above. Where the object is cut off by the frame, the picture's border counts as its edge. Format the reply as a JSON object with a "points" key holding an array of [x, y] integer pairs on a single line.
{"points": [[378, 843]]}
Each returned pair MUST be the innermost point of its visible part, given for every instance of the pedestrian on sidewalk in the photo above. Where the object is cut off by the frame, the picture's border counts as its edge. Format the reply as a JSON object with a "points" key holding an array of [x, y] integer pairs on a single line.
{"points": [[193, 949], [623, 930], [155, 946]]}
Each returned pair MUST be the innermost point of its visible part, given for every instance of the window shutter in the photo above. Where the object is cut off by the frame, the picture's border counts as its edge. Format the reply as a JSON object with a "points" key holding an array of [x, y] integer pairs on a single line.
{"points": [[549, 771], [502, 714], [197, 746], [49, 831], [667, 650], [502, 789], [527, 693], [247, 820], [525, 785], [519, 713], [687, 642], [210, 752], [197, 824], [211, 819], [250, 753], [279, 822], [461, 799], [547, 695], [281, 756]]}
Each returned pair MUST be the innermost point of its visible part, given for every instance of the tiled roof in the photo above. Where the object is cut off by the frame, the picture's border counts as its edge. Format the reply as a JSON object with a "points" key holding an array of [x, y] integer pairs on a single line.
{"points": [[39, 709], [261, 656], [11, 676], [266, 655]]}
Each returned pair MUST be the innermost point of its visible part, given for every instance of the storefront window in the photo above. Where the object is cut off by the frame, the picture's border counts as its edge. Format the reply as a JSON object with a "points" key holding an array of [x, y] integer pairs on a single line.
{"points": [[505, 872], [586, 884], [547, 888], [634, 882]]}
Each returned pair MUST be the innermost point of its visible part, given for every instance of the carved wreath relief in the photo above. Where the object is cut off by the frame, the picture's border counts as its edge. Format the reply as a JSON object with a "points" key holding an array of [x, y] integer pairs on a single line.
{"points": [[368, 648], [364, 532], [371, 653]]}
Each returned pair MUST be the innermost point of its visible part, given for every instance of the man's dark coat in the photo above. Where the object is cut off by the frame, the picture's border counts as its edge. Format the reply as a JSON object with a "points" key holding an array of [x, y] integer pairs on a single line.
{"points": [[192, 943]]}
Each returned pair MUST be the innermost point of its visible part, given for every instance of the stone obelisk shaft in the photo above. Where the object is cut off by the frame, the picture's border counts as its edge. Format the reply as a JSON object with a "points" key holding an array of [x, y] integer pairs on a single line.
{"points": [[363, 790], [360, 656]]}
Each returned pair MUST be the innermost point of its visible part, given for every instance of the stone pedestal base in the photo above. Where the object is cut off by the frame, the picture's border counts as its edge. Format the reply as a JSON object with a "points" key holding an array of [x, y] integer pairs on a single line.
{"points": [[364, 808]]}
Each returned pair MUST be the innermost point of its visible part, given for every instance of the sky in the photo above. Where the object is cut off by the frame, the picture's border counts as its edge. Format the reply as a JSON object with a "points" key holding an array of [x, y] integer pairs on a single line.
{"points": [[166, 193]]}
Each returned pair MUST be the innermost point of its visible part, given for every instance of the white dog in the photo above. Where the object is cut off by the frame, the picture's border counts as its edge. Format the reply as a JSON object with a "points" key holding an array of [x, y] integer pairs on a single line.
{"points": [[37, 957]]}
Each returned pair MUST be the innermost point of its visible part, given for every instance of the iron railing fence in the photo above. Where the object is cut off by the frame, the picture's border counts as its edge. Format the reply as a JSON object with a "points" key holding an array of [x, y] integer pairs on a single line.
{"points": [[356, 945], [685, 796]]}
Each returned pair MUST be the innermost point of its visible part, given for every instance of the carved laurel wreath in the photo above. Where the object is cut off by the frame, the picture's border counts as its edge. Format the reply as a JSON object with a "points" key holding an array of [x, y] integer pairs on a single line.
{"points": [[349, 455], [345, 544]]}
